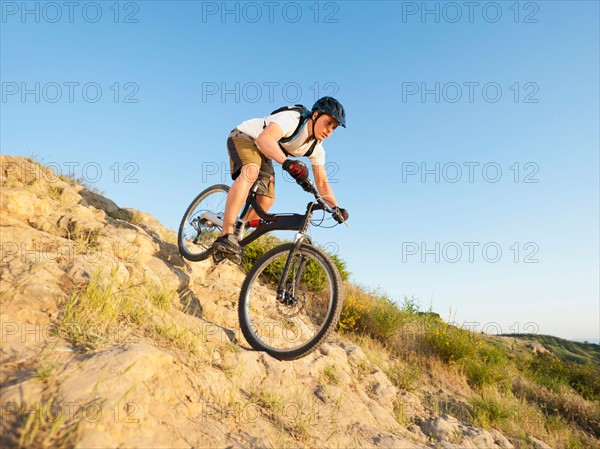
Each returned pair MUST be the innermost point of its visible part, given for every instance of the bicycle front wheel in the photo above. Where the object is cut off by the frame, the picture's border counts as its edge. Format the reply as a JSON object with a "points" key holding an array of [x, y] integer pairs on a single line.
{"points": [[202, 223], [293, 322]]}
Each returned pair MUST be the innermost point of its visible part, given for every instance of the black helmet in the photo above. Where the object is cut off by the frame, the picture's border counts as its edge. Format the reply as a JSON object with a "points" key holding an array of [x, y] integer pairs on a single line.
{"points": [[329, 105]]}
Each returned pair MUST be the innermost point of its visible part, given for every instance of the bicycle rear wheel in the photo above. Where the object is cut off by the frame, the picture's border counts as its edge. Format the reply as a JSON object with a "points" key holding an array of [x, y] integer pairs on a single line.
{"points": [[293, 324], [202, 223]]}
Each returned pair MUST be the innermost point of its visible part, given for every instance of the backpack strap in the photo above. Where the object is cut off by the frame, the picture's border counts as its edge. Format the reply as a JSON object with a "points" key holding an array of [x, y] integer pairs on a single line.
{"points": [[311, 149], [304, 116]]}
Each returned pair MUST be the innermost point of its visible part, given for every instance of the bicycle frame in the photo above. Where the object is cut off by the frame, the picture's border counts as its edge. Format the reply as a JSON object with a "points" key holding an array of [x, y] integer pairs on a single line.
{"points": [[275, 222], [282, 222]]}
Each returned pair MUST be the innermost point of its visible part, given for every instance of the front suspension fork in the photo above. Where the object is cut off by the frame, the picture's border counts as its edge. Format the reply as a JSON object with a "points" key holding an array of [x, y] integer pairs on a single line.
{"points": [[283, 294]]}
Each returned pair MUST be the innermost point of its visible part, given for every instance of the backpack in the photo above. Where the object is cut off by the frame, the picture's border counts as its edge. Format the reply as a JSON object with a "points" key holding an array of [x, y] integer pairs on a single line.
{"points": [[305, 114]]}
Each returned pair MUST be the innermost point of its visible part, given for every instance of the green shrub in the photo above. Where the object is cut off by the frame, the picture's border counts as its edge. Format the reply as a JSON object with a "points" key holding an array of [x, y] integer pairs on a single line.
{"points": [[341, 266], [553, 373], [313, 277], [491, 409], [488, 366], [372, 313], [404, 376], [450, 343], [257, 248], [384, 319], [357, 304]]}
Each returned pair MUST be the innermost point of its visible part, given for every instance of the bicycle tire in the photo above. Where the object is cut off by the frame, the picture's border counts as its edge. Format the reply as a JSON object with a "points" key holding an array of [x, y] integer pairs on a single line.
{"points": [[249, 328], [200, 252]]}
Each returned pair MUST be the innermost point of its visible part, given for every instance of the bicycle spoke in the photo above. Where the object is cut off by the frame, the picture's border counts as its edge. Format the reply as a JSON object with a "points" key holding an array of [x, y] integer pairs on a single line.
{"points": [[202, 223], [293, 318]]}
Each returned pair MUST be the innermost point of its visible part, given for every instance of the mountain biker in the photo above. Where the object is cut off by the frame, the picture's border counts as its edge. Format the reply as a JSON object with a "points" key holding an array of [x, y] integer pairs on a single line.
{"points": [[255, 143]]}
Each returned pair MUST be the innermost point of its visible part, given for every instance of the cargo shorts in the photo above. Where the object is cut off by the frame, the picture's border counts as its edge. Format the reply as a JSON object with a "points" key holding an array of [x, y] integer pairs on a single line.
{"points": [[242, 150]]}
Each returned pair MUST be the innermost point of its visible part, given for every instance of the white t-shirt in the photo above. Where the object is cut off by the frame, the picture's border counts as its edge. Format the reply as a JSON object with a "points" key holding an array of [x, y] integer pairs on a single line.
{"points": [[288, 120]]}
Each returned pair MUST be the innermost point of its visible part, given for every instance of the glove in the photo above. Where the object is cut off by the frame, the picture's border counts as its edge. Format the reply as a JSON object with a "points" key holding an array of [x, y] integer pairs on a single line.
{"points": [[340, 215], [297, 169]]}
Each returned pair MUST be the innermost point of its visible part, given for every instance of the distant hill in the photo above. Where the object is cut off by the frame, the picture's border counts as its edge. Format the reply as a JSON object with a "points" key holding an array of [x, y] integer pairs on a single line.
{"points": [[573, 351]]}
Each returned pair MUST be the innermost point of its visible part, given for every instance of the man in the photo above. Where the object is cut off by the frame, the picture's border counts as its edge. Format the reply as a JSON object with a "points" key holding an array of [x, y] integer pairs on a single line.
{"points": [[255, 143]]}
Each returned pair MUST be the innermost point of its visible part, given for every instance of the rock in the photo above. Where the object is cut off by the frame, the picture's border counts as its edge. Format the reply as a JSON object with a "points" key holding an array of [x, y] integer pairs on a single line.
{"points": [[538, 444], [21, 203], [382, 416], [441, 428], [108, 269], [93, 439], [382, 389], [417, 432], [98, 201], [355, 354], [500, 440], [130, 243], [69, 197], [171, 278], [79, 228], [253, 372]]}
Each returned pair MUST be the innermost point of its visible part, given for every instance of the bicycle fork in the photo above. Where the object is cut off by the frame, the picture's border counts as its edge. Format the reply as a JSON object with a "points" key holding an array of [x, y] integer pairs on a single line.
{"points": [[286, 292]]}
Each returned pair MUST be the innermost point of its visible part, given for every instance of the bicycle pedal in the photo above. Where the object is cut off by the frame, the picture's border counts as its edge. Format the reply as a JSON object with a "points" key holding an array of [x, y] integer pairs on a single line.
{"points": [[219, 256]]}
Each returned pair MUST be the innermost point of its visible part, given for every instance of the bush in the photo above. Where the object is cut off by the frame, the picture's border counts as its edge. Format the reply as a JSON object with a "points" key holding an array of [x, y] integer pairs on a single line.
{"points": [[450, 343], [313, 277], [404, 376], [356, 305], [553, 373], [491, 409], [384, 319], [340, 264], [372, 313], [257, 248], [489, 366]]}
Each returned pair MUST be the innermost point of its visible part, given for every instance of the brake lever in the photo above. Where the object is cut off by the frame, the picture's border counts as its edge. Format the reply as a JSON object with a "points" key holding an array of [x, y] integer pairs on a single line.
{"points": [[310, 188]]}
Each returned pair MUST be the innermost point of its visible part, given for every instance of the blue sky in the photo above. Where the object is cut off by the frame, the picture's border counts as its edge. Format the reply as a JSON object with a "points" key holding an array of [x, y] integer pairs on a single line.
{"points": [[147, 92]]}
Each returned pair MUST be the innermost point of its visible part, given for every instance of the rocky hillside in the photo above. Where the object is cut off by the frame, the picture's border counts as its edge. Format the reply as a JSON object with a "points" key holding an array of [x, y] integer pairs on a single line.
{"points": [[110, 339]]}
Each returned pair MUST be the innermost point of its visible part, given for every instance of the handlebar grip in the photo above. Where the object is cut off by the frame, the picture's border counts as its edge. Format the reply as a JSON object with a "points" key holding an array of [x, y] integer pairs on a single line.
{"points": [[308, 186]]}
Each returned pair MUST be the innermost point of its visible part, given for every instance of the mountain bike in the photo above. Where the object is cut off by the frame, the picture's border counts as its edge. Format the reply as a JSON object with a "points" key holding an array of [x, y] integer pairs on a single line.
{"points": [[291, 298]]}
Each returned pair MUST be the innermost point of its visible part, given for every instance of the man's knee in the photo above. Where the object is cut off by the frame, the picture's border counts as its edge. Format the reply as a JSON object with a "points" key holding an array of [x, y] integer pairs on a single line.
{"points": [[249, 173]]}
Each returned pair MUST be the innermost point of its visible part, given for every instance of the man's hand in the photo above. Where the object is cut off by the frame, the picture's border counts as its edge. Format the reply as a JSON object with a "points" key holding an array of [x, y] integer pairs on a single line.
{"points": [[297, 169], [340, 215]]}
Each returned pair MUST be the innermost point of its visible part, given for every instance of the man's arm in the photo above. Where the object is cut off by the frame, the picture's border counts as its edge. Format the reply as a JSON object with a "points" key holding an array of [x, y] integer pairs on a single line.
{"points": [[323, 185], [268, 144]]}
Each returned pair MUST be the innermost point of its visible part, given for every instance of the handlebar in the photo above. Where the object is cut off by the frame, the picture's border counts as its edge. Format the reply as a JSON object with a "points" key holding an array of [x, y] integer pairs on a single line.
{"points": [[308, 186]]}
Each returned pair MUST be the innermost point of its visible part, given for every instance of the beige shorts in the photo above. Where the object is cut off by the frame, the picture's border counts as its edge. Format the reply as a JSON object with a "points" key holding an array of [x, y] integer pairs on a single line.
{"points": [[243, 150]]}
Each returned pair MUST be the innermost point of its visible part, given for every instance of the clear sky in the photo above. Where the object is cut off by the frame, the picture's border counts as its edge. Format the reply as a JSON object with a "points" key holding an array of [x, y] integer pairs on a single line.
{"points": [[470, 165]]}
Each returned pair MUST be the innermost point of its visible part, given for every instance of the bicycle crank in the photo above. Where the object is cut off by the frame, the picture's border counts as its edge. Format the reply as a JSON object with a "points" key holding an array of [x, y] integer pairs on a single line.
{"points": [[219, 256]]}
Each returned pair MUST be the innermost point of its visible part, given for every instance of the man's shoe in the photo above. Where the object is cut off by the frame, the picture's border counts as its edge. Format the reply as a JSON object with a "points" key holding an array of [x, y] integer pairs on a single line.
{"points": [[227, 243]]}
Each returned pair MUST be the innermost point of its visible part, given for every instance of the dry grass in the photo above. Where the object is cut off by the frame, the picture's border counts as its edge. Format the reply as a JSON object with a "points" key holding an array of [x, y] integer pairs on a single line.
{"points": [[43, 429], [100, 314]]}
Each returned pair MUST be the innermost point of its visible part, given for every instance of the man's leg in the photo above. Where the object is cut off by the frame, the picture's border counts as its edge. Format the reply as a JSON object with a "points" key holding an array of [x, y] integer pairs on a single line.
{"points": [[265, 202], [265, 195], [237, 196]]}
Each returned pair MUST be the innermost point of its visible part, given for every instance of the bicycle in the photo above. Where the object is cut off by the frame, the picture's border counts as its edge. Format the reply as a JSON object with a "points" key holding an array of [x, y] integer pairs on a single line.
{"points": [[291, 298]]}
